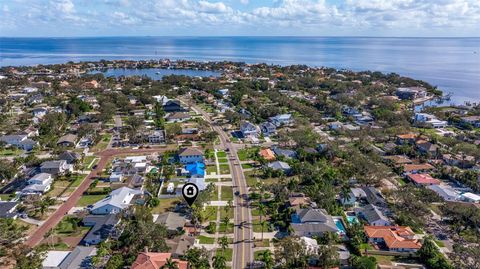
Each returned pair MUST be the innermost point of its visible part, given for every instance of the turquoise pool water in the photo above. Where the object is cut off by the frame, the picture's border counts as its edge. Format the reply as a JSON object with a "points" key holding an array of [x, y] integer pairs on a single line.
{"points": [[352, 219], [340, 226]]}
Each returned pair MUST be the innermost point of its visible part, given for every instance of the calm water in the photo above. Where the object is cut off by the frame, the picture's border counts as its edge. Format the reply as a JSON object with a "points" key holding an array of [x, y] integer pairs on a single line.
{"points": [[157, 73], [453, 64]]}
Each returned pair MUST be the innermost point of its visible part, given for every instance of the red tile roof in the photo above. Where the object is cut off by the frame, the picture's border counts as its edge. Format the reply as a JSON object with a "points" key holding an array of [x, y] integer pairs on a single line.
{"points": [[417, 167], [423, 179], [394, 236], [155, 260]]}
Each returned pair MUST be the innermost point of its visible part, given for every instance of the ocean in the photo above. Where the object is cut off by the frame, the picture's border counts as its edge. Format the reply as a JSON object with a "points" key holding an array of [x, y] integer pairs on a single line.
{"points": [[452, 64]]}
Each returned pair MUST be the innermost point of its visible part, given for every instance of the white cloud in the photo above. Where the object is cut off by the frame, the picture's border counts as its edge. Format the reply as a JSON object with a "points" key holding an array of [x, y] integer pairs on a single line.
{"points": [[264, 17]]}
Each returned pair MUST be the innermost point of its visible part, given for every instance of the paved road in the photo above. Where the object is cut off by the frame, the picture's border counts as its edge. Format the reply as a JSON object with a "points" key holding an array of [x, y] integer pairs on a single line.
{"points": [[243, 233], [57, 216]]}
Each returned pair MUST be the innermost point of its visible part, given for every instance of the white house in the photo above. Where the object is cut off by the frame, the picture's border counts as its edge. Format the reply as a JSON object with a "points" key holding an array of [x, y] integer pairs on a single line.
{"points": [[429, 120], [38, 184], [118, 200], [470, 197], [282, 119]]}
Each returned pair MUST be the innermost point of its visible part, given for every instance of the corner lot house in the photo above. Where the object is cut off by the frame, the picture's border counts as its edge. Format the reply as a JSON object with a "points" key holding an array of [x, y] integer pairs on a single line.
{"points": [[190, 155], [118, 200]]}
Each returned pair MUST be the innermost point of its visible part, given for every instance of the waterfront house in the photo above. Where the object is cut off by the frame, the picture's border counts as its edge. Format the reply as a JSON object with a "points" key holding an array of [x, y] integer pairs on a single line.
{"points": [[429, 120], [472, 120], [411, 93], [393, 238]]}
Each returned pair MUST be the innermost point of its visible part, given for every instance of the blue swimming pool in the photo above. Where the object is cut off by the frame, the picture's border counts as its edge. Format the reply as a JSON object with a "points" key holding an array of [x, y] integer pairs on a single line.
{"points": [[352, 219], [341, 228]]}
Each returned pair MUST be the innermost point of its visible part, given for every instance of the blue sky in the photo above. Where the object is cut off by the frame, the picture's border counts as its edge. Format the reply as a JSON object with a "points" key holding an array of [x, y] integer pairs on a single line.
{"points": [[239, 17]]}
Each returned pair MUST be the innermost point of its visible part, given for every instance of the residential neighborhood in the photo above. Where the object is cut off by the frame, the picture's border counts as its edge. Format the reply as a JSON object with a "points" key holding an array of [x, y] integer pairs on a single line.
{"points": [[296, 167]]}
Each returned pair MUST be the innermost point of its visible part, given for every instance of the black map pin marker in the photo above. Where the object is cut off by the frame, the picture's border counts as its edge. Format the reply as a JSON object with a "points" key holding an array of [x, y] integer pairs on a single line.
{"points": [[190, 192]]}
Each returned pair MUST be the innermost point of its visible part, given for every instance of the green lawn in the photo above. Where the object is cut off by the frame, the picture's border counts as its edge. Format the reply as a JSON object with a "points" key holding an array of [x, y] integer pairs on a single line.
{"points": [[221, 154], [6, 197], [10, 152], [87, 161], [90, 199], [246, 154], [206, 240], [247, 165], [165, 205], [211, 169], [223, 228], [222, 160], [210, 213], [224, 169], [257, 228], [224, 214], [67, 225], [227, 193], [228, 253]]}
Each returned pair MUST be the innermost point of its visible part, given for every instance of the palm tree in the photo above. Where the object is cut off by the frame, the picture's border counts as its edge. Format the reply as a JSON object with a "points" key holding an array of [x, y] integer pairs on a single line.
{"points": [[266, 257], [219, 262], [223, 242], [226, 221], [170, 264]]}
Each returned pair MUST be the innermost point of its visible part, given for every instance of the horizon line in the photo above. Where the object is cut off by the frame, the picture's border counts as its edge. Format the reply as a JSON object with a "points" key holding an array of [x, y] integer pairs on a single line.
{"points": [[233, 36]]}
